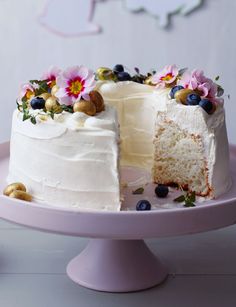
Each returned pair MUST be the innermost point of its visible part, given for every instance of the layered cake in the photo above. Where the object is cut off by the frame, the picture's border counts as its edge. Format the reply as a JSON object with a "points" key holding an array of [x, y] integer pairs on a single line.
{"points": [[73, 129]]}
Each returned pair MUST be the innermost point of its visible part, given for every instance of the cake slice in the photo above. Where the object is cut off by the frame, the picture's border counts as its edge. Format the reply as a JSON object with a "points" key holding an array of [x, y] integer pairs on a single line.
{"points": [[191, 149], [175, 128]]}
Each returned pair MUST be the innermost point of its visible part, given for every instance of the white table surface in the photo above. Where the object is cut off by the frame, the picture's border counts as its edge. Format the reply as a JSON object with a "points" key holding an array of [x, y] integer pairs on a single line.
{"points": [[32, 271]]}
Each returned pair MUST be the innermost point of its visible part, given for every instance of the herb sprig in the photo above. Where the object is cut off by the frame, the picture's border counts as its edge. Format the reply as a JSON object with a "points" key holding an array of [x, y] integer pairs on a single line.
{"points": [[188, 198]]}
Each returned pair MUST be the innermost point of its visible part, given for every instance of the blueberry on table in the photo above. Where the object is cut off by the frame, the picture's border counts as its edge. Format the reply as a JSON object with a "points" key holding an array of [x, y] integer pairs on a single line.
{"points": [[118, 68], [143, 205], [161, 190], [123, 76], [207, 105], [193, 99], [37, 103], [174, 90]]}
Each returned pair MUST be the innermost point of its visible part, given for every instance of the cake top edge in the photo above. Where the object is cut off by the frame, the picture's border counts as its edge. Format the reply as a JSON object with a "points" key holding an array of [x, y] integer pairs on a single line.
{"points": [[75, 89]]}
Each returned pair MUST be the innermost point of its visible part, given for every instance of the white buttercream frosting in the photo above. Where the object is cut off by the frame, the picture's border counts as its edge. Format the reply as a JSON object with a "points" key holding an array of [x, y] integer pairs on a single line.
{"points": [[71, 161]]}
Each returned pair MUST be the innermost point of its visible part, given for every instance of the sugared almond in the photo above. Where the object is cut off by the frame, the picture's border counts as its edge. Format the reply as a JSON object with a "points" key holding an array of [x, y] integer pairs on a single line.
{"points": [[87, 107], [98, 101]]}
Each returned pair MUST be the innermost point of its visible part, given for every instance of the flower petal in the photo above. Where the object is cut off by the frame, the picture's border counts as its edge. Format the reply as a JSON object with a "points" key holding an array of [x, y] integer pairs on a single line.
{"points": [[71, 72], [83, 72]]}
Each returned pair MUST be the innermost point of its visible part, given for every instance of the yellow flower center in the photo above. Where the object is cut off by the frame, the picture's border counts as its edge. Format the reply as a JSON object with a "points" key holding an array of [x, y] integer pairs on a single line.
{"points": [[75, 87], [167, 77], [52, 83], [28, 94]]}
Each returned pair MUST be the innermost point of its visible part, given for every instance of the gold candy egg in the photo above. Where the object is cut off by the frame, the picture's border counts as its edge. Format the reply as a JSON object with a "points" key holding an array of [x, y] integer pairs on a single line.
{"points": [[98, 101], [45, 96], [181, 95], [52, 105], [21, 195], [104, 73], [87, 107], [54, 89], [14, 186]]}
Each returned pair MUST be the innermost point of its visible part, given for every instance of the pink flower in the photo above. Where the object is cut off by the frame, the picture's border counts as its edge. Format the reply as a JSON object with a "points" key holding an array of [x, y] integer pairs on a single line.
{"points": [[74, 83], [165, 77], [50, 75], [197, 81], [26, 89]]}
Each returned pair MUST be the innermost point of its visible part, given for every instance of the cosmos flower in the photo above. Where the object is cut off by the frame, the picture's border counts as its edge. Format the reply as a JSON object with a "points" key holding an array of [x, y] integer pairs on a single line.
{"points": [[50, 75], [75, 83], [26, 90], [166, 76]]}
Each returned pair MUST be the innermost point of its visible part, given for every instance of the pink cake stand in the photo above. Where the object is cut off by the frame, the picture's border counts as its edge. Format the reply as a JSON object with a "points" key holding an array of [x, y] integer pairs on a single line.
{"points": [[116, 258]]}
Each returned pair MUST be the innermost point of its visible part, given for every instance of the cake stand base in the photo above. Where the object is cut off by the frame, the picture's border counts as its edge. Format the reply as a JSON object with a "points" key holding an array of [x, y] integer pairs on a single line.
{"points": [[117, 266]]}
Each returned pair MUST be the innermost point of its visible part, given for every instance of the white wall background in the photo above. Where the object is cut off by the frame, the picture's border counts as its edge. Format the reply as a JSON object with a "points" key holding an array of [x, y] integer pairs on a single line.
{"points": [[205, 39]]}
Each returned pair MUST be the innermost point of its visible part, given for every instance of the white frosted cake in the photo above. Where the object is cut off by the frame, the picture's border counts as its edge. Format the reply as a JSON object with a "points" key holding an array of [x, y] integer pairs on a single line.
{"points": [[67, 145]]}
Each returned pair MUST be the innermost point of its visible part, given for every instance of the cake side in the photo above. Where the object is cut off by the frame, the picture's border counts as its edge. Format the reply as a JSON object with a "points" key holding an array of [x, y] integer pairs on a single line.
{"points": [[71, 161]]}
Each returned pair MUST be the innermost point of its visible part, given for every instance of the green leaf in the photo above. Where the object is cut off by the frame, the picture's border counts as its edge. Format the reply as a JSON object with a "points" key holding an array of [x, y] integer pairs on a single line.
{"points": [[26, 116], [180, 199], [191, 197], [188, 199], [52, 114], [217, 78], [182, 71], [43, 86], [24, 106], [189, 204], [67, 108], [18, 106], [138, 191], [33, 120], [24, 99]]}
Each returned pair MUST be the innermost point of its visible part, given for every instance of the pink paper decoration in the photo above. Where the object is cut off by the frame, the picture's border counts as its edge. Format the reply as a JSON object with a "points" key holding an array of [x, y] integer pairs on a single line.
{"points": [[69, 17]]}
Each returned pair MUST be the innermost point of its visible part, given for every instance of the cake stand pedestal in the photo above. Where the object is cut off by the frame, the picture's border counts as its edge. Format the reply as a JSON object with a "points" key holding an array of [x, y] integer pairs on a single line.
{"points": [[116, 258], [116, 266]]}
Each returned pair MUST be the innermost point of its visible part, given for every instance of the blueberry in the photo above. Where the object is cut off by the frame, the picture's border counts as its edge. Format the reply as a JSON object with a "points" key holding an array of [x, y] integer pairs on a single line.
{"points": [[174, 90], [143, 205], [161, 190], [118, 68], [207, 105], [123, 76], [193, 99], [37, 103]]}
